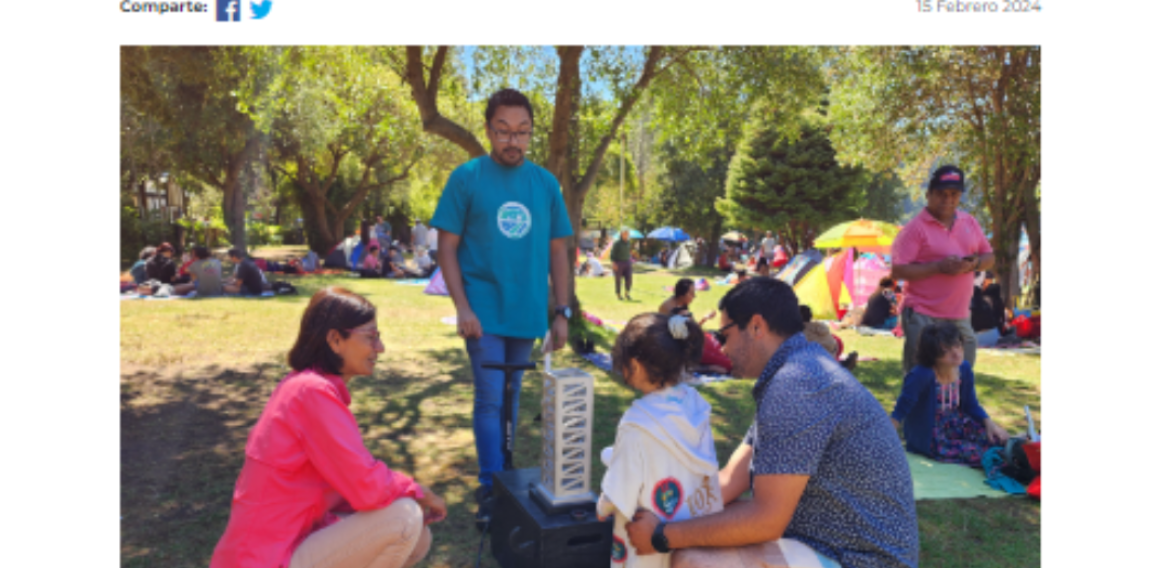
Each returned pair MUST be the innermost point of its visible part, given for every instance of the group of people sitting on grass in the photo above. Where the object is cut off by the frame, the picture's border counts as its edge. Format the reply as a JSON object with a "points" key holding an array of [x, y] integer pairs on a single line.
{"points": [[156, 274], [374, 262], [829, 483]]}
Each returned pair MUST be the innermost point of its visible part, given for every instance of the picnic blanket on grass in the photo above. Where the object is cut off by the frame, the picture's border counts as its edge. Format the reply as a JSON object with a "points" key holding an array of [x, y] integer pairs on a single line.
{"points": [[414, 282], [195, 294], [936, 480], [1013, 347]]}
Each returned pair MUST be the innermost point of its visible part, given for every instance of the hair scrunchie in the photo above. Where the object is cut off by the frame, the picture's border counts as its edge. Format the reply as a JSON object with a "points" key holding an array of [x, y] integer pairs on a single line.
{"points": [[678, 327]]}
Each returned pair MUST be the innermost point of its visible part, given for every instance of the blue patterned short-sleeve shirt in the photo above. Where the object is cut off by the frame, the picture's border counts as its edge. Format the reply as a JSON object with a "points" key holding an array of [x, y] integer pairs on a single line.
{"points": [[813, 418]]}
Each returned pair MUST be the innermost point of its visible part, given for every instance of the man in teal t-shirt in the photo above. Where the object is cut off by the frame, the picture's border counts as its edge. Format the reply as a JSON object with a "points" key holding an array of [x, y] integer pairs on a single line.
{"points": [[502, 222]]}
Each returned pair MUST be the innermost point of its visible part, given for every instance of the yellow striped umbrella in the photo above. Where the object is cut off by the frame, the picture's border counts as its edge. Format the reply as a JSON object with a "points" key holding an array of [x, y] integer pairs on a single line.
{"points": [[867, 235]]}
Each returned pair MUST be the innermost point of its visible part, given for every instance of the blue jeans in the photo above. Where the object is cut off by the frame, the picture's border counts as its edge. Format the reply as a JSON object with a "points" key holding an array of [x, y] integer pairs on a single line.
{"points": [[486, 420]]}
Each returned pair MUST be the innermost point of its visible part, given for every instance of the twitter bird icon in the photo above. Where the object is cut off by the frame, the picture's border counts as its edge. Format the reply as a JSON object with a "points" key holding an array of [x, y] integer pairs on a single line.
{"points": [[259, 11]]}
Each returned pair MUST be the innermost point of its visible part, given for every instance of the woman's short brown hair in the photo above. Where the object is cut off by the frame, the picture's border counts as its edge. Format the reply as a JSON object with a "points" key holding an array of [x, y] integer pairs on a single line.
{"points": [[647, 338], [330, 308]]}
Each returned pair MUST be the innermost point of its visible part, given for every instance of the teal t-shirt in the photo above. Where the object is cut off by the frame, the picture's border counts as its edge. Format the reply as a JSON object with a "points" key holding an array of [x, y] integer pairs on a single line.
{"points": [[506, 217]]}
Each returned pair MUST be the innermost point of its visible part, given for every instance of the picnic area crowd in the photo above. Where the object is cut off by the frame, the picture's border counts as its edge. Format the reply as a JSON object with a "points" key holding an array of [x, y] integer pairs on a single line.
{"points": [[824, 463]]}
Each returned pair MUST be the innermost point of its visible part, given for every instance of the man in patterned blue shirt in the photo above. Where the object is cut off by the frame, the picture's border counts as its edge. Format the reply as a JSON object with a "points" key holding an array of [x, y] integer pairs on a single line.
{"points": [[830, 482]]}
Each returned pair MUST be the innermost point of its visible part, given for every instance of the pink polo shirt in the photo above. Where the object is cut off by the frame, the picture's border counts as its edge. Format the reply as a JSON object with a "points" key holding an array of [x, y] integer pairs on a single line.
{"points": [[925, 239], [304, 457]]}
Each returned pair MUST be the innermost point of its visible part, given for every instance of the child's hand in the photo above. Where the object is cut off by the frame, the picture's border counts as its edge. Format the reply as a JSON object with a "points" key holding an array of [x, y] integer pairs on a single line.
{"points": [[605, 508]]}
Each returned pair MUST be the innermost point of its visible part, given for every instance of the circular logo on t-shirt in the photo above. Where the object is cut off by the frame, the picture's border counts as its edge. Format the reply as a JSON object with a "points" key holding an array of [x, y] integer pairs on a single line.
{"points": [[514, 220], [668, 495], [617, 552]]}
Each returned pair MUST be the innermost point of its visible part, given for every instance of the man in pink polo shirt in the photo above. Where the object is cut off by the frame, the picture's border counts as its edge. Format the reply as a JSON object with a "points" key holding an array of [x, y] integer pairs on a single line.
{"points": [[937, 254]]}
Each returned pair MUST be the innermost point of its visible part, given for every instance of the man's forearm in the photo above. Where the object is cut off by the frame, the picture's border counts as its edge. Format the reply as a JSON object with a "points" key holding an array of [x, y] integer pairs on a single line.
{"points": [[453, 277], [986, 262], [746, 523], [912, 272], [559, 261]]}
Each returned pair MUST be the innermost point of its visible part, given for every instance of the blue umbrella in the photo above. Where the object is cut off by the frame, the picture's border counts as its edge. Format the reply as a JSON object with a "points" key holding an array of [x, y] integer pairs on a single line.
{"points": [[634, 233], [671, 234]]}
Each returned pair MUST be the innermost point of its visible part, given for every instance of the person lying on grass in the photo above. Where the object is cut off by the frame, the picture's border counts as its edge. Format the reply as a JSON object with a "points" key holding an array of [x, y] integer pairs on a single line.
{"points": [[938, 411], [310, 494], [663, 459]]}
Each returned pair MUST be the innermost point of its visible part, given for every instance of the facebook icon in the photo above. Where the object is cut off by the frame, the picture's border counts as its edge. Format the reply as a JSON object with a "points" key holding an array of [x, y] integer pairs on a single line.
{"points": [[227, 10]]}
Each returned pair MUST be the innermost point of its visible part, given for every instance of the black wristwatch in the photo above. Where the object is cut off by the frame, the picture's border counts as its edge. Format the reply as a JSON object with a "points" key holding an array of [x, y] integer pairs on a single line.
{"points": [[564, 311], [658, 539]]}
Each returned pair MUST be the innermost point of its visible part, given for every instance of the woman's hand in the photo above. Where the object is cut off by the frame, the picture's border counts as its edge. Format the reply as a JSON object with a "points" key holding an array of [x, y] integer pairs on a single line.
{"points": [[995, 432], [433, 506]]}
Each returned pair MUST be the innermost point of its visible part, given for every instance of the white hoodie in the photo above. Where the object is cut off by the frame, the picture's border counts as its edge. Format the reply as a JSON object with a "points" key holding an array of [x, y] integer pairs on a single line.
{"points": [[663, 461]]}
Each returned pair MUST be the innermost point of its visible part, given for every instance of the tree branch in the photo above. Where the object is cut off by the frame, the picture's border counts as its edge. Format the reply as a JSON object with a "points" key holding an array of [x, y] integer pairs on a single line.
{"points": [[649, 70], [432, 120], [436, 73]]}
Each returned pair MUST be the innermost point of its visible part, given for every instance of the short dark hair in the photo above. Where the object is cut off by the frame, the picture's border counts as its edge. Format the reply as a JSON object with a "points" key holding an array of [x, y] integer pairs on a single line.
{"points": [[886, 282], [202, 253], [330, 308], [236, 253], [146, 253], [683, 286], [507, 97], [165, 247], [772, 299], [647, 338], [805, 313], [934, 340]]}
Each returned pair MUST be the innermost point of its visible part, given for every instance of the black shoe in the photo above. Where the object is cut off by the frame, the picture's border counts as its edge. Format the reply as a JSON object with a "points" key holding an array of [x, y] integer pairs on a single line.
{"points": [[483, 514], [850, 362]]}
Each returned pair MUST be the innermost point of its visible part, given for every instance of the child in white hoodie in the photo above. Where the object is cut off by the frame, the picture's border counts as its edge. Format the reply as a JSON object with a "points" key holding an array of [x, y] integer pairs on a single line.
{"points": [[664, 457]]}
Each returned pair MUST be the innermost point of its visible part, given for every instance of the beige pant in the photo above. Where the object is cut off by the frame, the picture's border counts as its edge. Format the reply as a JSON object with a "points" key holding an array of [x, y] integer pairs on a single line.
{"points": [[783, 553], [912, 325], [391, 537]]}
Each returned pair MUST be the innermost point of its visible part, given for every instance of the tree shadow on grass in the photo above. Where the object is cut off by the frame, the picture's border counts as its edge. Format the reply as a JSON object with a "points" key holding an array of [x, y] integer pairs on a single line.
{"points": [[182, 438], [183, 433]]}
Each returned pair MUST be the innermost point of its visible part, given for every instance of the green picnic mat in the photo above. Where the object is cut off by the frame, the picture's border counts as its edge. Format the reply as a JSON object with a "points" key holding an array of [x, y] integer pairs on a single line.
{"points": [[934, 480]]}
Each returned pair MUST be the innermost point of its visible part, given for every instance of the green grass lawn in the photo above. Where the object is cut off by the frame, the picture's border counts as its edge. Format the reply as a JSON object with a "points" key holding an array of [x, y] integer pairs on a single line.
{"points": [[196, 373]]}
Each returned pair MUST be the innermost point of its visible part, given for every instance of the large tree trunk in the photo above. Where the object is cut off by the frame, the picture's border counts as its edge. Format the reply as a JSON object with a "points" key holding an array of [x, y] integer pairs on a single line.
{"points": [[319, 233], [234, 199], [713, 244], [563, 156], [233, 210]]}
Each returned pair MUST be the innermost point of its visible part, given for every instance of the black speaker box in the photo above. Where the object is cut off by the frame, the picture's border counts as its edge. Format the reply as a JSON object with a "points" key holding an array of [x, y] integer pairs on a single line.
{"points": [[524, 536]]}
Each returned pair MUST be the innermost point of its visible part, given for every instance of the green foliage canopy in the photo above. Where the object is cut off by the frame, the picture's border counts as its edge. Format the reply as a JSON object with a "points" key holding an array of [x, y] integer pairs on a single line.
{"points": [[794, 187]]}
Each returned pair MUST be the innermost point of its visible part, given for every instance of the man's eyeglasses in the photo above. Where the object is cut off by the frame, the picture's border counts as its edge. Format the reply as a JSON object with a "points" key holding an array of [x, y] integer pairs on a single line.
{"points": [[374, 334], [504, 136], [721, 335]]}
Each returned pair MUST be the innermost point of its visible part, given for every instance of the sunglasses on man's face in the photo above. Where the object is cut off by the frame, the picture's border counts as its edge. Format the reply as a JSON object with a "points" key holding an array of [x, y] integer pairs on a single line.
{"points": [[721, 335]]}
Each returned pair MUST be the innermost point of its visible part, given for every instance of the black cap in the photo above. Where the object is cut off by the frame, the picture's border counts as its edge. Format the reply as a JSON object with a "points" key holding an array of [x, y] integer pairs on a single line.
{"points": [[947, 177]]}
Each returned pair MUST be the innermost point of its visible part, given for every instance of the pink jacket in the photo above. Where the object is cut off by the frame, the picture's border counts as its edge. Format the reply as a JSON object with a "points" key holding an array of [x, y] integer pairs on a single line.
{"points": [[370, 262], [304, 457]]}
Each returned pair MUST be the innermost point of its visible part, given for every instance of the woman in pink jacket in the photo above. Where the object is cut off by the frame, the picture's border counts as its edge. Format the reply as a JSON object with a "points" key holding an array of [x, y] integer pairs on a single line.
{"points": [[310, 494]]}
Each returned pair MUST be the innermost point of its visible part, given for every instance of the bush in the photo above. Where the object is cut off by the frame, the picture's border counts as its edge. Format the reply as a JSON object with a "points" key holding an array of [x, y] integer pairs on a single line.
{"points": [[137, 233], [197, 233], [260, 234]]}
